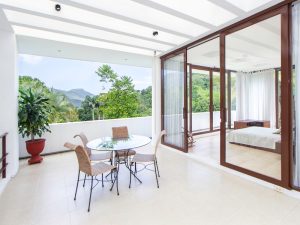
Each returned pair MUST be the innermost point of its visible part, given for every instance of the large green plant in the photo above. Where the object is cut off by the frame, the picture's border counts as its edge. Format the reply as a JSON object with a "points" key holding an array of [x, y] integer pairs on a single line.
{"points": [[34, 111]]}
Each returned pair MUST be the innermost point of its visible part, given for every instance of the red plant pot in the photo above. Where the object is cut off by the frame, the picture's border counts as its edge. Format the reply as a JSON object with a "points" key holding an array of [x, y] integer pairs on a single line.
{"points": [[34, 148]]}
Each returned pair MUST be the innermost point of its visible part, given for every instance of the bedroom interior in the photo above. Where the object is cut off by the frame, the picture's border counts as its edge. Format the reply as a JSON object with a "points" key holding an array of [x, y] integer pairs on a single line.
{"points": [[253, 95]]}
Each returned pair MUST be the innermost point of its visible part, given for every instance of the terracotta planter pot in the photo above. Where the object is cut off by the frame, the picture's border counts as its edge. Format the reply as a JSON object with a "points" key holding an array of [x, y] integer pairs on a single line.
{"points": [[34, 148]]}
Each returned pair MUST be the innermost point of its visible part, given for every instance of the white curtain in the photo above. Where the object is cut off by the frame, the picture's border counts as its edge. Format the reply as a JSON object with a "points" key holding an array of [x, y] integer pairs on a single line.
{"points": [[296, 63], [173, 100], [255, 96]]}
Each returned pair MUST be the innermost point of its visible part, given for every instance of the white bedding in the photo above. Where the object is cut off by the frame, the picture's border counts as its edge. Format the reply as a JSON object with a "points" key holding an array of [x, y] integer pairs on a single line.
{"points": [[255, 136]]}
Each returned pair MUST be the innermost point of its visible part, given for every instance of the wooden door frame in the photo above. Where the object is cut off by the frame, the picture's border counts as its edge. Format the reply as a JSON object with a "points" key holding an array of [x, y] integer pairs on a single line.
{"points": [[184, 52], [284, 11]]}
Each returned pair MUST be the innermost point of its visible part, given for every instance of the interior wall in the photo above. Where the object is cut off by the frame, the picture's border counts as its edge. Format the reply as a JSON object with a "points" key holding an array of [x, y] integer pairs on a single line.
{"points": [[9, 103]]}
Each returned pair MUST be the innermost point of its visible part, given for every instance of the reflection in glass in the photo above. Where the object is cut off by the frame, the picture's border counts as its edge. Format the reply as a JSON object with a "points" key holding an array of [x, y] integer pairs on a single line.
{"points": [[253, 57], [173, 76]]}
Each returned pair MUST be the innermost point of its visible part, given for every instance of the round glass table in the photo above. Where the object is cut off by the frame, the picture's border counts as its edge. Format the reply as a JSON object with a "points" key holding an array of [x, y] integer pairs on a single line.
{"points": [[118, 144]]}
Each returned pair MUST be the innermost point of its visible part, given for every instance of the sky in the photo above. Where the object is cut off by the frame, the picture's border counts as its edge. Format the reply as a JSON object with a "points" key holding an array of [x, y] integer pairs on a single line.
{"points": [[66, 74]]}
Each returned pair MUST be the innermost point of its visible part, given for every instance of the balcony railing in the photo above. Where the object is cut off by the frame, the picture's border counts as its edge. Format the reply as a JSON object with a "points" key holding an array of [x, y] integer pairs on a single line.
{"points": [[4, 155]]}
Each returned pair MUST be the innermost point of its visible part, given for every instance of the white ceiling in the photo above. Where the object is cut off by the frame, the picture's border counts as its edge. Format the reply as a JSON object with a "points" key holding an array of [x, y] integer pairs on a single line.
{"points": [[122, 25], [254, 48]]}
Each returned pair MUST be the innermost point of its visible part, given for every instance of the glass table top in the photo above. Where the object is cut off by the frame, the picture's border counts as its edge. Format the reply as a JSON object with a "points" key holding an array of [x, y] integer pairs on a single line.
{"points": [[115, 144]]}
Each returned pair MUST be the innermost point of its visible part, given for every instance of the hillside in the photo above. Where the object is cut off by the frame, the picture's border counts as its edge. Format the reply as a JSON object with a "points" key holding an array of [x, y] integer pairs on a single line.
{"points": [[75, 96]]}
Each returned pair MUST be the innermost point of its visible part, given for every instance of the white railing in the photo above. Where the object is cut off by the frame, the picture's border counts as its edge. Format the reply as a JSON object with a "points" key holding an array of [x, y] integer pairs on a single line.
{"points": [[201, 120], [63, 132]]}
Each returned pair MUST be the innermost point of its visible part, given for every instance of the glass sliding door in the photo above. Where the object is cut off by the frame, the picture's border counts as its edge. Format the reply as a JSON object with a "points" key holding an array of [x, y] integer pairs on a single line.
{"points": [[201, 100], [255, 89], [174, 99]]}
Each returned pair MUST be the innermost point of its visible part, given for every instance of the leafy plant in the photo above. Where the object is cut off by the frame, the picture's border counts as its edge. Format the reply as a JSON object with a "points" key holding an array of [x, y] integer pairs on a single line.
{"points": [[34, 111]]}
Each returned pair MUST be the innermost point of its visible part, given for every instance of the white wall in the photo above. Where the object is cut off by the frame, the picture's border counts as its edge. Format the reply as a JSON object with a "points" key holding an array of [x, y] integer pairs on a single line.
{"points": [[8, 99], [156, 96], [63, 132]]}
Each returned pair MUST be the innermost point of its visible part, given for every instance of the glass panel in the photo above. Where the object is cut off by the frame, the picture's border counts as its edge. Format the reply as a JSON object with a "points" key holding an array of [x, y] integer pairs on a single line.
{"points": [[56, 25], [203, 10], [150, 15], [200, 100], [254, 143], [248, 5], [296, 95], [173, 76], [94, 19], [216, 100], [24, 31]]}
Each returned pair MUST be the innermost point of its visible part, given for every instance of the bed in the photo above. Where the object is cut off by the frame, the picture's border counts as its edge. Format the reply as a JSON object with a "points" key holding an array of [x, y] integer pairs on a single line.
{"points": [[257, 137]]}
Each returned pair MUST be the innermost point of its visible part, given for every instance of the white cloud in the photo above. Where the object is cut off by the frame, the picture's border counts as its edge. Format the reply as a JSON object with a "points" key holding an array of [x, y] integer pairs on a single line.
{"points": [[31, 59]]}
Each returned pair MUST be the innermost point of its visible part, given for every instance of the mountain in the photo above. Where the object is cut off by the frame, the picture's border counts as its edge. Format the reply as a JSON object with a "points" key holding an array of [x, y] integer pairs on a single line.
{"points": [[75, 96]]}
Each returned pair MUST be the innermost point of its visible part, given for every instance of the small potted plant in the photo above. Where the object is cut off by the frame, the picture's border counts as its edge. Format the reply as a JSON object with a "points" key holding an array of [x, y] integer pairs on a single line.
{"points": [[34, 110]]}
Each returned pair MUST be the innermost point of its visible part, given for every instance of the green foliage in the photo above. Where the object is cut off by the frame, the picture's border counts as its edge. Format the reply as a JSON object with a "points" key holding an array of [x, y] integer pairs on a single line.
{"points": [[61, 109], [89, 109], [33, 114], [121, 101], [145, 102]]}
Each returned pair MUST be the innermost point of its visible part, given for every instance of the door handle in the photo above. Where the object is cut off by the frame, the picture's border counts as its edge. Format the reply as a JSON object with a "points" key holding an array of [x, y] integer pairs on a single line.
{"points": [[184, 112]]}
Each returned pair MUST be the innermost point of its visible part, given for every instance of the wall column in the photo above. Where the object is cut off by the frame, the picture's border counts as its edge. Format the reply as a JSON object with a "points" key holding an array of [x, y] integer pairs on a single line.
{"points": [[9, 101]]}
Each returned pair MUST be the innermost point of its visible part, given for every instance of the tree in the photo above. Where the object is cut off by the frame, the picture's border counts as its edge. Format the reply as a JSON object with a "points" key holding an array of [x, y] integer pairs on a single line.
{"points": [[145, 102], [121, 101], [89, 109], [61, 109]]}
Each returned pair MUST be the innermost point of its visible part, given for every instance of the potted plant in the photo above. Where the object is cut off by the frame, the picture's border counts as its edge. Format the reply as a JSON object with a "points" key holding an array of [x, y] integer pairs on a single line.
{"points": [[34, 110]]}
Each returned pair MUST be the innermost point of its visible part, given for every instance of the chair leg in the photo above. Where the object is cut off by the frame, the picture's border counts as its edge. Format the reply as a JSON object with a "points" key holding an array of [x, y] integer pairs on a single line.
{"points": [[155, 170], [111, 177], [130, 174], [84, 180], [102, 181], [157, 167], [91, 193], [77, 184], [117, 180]]}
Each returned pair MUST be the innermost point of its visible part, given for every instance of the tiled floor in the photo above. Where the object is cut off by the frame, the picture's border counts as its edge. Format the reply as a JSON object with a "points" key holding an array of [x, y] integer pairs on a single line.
{"points": [[207, 147], [191, 193]]}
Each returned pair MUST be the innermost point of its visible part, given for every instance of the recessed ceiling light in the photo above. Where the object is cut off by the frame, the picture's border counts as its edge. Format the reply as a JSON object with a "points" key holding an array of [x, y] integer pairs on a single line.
{"points": [[155, 33], [57, 7]]}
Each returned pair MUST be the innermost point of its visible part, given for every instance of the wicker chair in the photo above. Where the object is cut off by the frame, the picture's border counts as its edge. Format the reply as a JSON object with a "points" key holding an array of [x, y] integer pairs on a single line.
{"points": [[122, 132], [147, 158], [87, 168], [93, 157]]}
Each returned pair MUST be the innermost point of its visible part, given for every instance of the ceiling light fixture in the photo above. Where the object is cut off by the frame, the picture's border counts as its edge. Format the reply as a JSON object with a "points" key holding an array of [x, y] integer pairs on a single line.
{"points": [[57, 7], [155, 33]]}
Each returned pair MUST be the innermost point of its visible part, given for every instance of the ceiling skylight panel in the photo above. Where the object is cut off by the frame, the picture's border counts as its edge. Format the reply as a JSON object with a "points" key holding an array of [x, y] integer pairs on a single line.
{"points": [[24, 31], [56, 25], [248, 5], [93, 19], [146, 14], [201, 9]]}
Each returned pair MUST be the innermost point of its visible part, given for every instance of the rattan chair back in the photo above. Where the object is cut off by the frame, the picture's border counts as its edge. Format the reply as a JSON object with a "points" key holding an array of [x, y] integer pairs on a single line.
{"points": [[84, 141], [84, 162], [120, 132], [157, 141]]}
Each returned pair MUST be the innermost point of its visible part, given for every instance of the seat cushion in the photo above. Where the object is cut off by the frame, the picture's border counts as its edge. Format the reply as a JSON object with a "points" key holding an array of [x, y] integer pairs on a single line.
{"points": [[100, 168], [143, 158], [101, 156], [125, 153]]}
